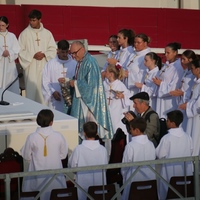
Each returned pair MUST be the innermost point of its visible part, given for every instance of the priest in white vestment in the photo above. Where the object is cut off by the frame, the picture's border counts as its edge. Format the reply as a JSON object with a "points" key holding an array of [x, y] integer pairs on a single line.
{"points": [[62, 68], [9, 49], [37, 48]]}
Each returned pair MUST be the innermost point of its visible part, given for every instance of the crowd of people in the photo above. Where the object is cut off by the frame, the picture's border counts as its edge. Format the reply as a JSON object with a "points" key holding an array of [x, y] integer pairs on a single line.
{"points": [[69, 79]]}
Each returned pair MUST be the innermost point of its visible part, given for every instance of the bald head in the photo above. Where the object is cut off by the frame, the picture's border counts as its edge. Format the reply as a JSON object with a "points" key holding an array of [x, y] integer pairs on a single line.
{"points": [[77, 50]]}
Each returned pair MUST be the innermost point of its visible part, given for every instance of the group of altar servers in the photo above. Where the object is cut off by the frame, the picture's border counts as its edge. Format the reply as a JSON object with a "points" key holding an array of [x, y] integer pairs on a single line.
{"points": [[131, 67]]}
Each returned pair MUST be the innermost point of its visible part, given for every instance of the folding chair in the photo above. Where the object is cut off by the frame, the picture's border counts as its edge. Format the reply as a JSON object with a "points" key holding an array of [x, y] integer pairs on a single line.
{"points": [[98, 191], [118, 144], [65, 193], [178, 183], [142, 190]]}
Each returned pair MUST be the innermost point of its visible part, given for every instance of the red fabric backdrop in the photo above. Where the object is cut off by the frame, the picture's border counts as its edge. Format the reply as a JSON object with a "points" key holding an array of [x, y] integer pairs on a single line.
{"points": [[97, 23]]}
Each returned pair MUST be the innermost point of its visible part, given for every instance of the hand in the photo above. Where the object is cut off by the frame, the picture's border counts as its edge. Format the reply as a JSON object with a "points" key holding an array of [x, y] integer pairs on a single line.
{"points": [[39, 55], [183, 106], [61, 80], [72, 83], [119, 95], [57, 96], [112, 61], [6, 53], [128, 116], [138, 85], [176, 93], [156, 80]]}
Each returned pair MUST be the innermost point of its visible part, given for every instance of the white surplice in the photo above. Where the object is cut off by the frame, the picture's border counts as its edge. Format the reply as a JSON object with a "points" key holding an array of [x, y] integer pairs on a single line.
{"points": [[193, 124], [33, 151], [89, 153], [8, 70], [171, 79], [52, 71], [175, 144], [150, 87], [32, 41], [186, 86], [117, 106], [136, 69], [139, 149], [111, 54]]}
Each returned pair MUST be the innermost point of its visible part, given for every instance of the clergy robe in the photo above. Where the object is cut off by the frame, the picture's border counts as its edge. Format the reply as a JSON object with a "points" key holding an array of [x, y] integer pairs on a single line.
{"points": [[193, 125], [89, 153], [111, 54], [136, 69], [8, 70], [170, 81], [32, 41], [175, 144], [117, 106], [52, 71], [186, 86], [89, 97], [139, 149], [33, 151], [149, 86]]}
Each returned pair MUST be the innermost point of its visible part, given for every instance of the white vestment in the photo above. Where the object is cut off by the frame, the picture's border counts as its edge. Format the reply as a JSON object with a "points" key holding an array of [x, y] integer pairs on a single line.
{"points": [[123, 56], [32, 41], [8, 70], [52, 71], [170, 81], [186, 86], [111, 54], [33, 151], [193, 125], [175, 144], [139, 149], [136, 69], [150, 87], [117, 106], [89, 153]]}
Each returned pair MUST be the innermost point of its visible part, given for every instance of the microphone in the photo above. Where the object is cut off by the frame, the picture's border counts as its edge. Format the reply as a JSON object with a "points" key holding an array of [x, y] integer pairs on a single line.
{"points": [[2, 102]]}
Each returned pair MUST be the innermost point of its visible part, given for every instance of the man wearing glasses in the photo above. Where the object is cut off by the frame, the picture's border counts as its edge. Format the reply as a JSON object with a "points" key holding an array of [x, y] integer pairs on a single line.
{"points": [[89, 101]]}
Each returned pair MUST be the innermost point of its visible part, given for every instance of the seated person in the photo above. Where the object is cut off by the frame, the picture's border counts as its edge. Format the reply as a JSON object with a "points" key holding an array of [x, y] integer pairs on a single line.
{"points": [[141, 105]]}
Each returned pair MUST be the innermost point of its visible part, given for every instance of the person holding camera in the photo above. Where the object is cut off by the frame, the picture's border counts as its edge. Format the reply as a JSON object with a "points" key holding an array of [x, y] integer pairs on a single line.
{"points": [[141, 105]]}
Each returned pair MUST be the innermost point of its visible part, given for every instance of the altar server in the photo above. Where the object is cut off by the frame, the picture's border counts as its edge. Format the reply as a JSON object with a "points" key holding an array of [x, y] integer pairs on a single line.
{"points": [[44, 149], [9, 49], [89, 153]]}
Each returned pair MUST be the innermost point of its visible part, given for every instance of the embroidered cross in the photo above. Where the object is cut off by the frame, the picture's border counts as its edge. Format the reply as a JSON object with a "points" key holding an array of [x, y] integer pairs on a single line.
{"points": [[37, 40], [109, 99], [64, 72]]}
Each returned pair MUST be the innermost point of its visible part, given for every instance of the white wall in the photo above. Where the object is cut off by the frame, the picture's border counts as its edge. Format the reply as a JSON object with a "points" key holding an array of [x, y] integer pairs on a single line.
{"points": [[187, 4]]}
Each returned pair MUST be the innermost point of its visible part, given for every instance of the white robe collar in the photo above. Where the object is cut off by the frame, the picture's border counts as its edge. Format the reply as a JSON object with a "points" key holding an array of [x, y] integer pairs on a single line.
{"points": [[44, 131], [178, 132], [142, 139], [91, 144]]}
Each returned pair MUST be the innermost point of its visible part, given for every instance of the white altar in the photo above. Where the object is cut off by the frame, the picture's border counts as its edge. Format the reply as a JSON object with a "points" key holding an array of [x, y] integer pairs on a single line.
{"points": [[18, 120]]}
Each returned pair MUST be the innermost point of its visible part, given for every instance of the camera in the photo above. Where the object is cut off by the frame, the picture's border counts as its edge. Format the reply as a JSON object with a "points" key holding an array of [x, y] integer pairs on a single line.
{"points": [[124, 120]]}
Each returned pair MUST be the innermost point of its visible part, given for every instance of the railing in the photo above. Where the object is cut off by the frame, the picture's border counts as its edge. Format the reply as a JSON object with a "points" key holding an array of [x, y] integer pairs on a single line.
{"points": [[67, 172]]}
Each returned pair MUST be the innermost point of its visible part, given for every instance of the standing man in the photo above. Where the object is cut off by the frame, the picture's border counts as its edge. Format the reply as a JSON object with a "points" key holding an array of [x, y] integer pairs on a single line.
{"points": [[57, 71], [37, 47], [89, 101]]}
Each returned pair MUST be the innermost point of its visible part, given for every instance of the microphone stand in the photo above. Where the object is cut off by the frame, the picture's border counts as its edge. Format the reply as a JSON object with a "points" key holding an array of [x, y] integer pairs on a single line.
{"points": [[5, 103]]}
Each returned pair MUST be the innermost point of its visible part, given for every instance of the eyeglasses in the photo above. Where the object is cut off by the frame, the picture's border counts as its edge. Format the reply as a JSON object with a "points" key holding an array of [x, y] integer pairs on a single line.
{"points": [[75, 52]]}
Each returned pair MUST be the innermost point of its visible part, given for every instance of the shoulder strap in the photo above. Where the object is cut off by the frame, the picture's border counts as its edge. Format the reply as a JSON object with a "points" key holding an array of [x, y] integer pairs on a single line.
{"points": [[147, 117]]}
